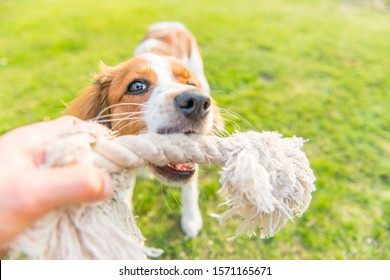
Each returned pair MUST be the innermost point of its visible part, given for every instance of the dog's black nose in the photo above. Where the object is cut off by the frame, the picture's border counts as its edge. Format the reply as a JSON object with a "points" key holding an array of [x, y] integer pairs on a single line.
{"points": [[193, 104]]}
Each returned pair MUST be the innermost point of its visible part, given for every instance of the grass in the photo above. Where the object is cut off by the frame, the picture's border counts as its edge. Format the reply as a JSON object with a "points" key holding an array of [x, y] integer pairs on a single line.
{"points": [[316, 69]]}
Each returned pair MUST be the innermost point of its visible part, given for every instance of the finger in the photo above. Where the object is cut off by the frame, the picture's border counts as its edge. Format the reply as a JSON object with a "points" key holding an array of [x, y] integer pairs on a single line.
{"points": [[32, 139], [49, 127], [72, 184], [64, 122], [42, 133]]}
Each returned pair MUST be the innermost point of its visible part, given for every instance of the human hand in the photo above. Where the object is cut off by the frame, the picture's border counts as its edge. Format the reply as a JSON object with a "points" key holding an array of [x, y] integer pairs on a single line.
{"points": [[28, 192]]}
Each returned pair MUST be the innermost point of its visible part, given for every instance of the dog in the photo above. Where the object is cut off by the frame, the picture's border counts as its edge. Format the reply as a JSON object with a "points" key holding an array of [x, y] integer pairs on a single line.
{"points": [[161, 89]]}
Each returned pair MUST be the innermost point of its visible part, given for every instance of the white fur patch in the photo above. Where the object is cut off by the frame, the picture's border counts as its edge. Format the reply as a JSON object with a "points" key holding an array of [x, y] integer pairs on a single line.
{"points": [[166, 25], [160, 111], [162, 67], [147, 46]]}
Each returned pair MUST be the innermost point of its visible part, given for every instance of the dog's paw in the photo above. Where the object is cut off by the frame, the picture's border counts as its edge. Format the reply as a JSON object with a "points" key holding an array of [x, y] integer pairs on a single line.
{"points": [[191, 223]]}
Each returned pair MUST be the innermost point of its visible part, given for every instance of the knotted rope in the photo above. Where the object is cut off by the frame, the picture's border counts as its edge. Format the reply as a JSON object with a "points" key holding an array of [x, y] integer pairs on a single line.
{"points": [[265, 179]]}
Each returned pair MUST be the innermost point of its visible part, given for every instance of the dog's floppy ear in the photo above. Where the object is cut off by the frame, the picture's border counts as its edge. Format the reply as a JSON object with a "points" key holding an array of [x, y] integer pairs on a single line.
{"points": [[93, 99]]}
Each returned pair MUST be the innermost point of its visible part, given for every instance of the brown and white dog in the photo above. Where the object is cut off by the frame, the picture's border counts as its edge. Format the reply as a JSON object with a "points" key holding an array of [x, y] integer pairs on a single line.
{"points": [[162, 89]]}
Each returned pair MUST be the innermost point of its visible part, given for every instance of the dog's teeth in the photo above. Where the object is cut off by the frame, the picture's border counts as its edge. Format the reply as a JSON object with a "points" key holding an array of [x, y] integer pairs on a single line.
{"points": [[181, 166]]}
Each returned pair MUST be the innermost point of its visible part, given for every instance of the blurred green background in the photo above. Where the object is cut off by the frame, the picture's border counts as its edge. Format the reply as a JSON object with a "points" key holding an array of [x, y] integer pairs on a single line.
{"points": [[316, 69]]}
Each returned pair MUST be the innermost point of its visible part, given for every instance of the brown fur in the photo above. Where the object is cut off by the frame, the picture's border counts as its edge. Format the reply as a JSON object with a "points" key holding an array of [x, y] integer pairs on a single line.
{"points": [[110, 85], [109, 89], [174, 42]]}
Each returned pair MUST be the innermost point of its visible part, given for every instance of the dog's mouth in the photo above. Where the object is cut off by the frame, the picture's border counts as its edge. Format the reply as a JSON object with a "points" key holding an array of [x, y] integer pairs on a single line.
{"points": [[175, 172], [178, 172]]}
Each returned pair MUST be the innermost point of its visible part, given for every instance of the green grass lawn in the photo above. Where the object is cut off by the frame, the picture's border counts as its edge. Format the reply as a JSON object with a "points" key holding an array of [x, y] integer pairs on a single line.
{"points": [[316, 69]]}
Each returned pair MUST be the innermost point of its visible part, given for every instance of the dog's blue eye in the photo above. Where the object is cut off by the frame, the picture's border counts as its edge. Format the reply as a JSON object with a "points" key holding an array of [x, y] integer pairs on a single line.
{"points": [[137, 87]]}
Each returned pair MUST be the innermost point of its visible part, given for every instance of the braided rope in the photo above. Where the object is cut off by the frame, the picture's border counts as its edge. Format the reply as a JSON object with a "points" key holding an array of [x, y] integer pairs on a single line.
{"points": [[265, 179]]}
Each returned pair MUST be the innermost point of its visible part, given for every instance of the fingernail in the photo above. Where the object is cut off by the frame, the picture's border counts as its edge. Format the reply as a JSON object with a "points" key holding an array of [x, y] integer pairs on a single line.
{"points": [[107, 183]]}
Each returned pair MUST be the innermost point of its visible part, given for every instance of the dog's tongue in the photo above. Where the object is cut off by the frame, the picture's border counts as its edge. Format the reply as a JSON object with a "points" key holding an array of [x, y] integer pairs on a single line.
{"points": [[181, 166]]}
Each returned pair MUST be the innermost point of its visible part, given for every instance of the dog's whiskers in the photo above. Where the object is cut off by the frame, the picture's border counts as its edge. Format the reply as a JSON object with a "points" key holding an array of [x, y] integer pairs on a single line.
{"points": [[163, 195], [219, 132], [232, 123], [230, 113], [125, 119], [128, 124], [119, 120], [117, 114], [119, 104], [213, 91], [145, 130]]}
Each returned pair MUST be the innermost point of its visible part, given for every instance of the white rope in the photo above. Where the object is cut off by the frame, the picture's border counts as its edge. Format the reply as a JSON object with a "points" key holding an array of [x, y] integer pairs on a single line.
{"points": [[265, 179]]}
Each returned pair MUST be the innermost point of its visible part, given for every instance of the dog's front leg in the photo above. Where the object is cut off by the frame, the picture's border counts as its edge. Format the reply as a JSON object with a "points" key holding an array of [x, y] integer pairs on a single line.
{"points": [[191, 218]]}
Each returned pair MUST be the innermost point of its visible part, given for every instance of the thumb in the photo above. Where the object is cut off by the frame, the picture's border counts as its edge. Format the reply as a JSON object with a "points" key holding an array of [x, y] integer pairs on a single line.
{"points": [[71, 184]]}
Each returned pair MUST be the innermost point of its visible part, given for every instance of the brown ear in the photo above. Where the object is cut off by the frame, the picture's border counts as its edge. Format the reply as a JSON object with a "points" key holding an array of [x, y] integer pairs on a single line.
{"points": [[93, 99]]}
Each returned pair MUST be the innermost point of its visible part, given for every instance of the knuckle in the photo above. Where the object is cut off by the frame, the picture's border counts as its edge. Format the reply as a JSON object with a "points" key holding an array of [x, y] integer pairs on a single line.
{"points": [[70, 119], [93, 182]]}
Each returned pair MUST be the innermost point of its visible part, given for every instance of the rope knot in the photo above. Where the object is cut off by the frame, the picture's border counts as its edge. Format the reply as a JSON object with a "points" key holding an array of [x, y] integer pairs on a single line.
{"points": [[265, 179]]}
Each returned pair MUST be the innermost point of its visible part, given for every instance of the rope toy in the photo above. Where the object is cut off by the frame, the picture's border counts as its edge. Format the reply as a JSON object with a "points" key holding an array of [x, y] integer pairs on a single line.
{"points": [[266, 180]]}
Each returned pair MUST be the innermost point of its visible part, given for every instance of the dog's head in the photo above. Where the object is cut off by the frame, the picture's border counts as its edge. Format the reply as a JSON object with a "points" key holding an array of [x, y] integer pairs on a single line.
{"points": [[150, 93]]}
